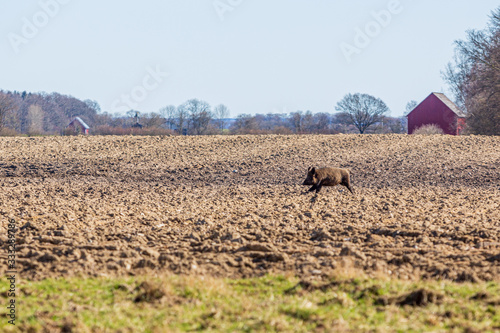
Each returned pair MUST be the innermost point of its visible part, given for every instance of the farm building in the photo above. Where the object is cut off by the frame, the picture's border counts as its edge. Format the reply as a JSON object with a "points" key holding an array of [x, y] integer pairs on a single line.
{"points": [[78, 126], [439, 110], [137, 124]]}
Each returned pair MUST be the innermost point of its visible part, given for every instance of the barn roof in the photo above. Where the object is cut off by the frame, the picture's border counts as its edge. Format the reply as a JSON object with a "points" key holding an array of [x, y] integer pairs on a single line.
{"points": [[442, 97], [453, 107], [81, 122]]}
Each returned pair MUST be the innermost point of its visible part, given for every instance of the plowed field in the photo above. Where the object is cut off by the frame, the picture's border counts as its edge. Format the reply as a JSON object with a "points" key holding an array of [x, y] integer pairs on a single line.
{"points": [[233, 206]]}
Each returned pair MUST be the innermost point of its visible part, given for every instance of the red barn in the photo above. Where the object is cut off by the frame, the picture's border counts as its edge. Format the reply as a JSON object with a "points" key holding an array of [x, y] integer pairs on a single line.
{"points": [[79, 126], [439, 110]]}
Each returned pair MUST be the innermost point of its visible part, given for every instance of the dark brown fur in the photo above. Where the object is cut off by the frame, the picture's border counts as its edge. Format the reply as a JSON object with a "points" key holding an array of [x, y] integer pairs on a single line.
{"points": [[327, 177]]}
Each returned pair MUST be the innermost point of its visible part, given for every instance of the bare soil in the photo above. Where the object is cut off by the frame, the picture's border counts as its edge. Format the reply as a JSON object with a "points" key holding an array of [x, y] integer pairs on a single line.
{"points": [[425, 207]]}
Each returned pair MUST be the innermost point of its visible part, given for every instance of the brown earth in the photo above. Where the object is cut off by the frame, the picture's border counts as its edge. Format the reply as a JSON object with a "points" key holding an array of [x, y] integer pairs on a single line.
{"points": [[424, 206]]}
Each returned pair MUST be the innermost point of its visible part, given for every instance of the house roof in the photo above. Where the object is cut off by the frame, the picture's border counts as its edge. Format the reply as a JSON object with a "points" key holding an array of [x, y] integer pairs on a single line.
{"points": [[81, 122], [442, 97], [453, 107]]}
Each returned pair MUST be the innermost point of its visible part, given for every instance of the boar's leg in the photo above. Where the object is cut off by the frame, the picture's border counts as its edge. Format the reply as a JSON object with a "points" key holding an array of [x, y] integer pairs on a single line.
{"points": [[314, 187], [346, 183]]}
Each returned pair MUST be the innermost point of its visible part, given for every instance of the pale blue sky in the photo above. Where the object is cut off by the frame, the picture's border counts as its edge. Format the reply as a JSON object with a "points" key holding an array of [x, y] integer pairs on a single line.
{"points": [[255, 56]]}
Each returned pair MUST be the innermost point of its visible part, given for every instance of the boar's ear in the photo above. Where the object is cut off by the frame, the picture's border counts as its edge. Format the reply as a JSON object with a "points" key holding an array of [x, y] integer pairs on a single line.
{"points": [[313, 170]]}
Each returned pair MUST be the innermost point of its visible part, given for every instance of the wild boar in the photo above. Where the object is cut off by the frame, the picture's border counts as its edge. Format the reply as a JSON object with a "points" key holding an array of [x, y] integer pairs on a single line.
{"points": [[327, 177]]}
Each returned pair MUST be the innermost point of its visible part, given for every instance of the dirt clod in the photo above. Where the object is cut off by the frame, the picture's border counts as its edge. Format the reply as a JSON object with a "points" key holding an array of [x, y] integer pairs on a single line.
{"points": [[147, 292]]}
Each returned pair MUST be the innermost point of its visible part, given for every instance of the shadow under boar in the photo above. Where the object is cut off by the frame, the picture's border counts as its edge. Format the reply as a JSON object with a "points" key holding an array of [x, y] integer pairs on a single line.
{"points": [[327, 177]]}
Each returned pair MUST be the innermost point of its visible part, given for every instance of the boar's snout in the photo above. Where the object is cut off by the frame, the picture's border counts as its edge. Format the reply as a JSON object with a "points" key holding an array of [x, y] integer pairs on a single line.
{"points": [[309, 179], [310, 175]]}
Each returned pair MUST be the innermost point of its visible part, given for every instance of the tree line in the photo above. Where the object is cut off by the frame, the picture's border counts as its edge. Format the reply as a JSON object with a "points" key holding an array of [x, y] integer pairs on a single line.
{"points": [[41, 113], [49, 114], [197, 117]]}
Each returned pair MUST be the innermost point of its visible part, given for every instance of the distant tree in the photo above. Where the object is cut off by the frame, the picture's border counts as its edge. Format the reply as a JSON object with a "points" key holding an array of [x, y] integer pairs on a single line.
{"points": [[245, 124], [199, 116], [181, 118], [410, 106], [342, 118], [259, 122], [322, 122], [395, 125], [153, 119], [296, 121], [220, 113], [7, 106], [363, 110], [35, 117], [474, 77], [267, 122], [93, 105], [169, 112], [308, 122], [103, 119], [70, 106]]}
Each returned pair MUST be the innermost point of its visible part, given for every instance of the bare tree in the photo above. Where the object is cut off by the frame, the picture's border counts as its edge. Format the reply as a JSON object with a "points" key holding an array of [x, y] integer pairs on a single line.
{"points": [[169, 112], [199, 114], [7, 106], [245, 124], [296, 121], [103, 119], [93, 105], [322, 122], [410, 106], [474, 77], [396, 125], [153, 119], [181, 116], [221, 112], [308, 122], [363, 110], [35, 119]]}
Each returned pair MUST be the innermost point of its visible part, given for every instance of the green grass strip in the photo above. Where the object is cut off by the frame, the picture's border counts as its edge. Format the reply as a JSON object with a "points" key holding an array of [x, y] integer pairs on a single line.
{"points": [[266, 304]]}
